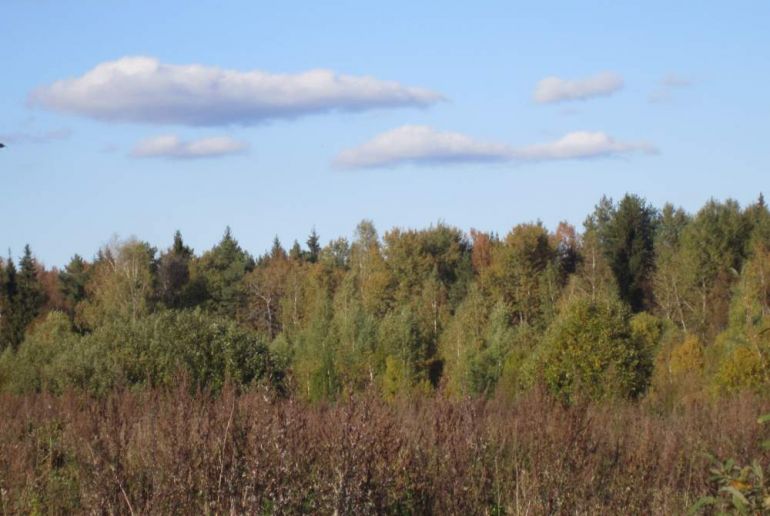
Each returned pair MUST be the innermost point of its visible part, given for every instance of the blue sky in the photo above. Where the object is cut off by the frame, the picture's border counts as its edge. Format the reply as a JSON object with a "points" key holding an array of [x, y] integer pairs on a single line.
{"points": [[427, 112]]}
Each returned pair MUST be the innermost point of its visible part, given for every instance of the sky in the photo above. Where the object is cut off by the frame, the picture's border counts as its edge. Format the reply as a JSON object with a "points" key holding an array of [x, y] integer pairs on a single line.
{"points": [[140, 118]]}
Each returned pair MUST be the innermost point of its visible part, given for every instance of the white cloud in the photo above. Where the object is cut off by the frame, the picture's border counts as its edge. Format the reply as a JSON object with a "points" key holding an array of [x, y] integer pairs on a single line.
{"points": [[556, 89], [170, 146], [32, 137], [423, 145], [581, 145], [142, 89], [420, 144]]}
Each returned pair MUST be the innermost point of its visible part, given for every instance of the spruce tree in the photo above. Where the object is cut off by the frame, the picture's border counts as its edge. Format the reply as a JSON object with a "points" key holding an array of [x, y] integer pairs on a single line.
{"points": [[295, 253], [31, 296], [627, 240], [72, 282], [11, 332], [313, 246], [277, 252], [174, 274], [221, 271]]}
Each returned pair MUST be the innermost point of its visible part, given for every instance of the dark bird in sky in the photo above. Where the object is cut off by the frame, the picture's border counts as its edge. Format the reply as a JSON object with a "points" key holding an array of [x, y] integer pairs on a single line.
{"points": [[2, 145]]}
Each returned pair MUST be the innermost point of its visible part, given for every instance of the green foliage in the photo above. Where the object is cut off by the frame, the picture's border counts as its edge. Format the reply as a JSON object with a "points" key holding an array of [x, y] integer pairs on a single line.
{"points": [[21, 299], [589, 351], [121, 284], [35, 366], [711, 254], [400, 339], [462, 339], [218, 273], [741, 352], [72, 283], [395, 381], [314, 349], [54, 486], [152, 351], [668, 282], [440, 253], [313, 247], [30, 297], [737, 489], [174, 275], [626, 234], [357, 332], [587, 314], [11, 328], [518, 271]]}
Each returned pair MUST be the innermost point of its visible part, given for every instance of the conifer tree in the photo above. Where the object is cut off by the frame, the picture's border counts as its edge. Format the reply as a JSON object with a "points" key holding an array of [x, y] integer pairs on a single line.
{"points": [[626, 237], [10, 331], [295, 253], [174, 274], [31, 294], [277, 252], [72, 283], [313, 246], [221, 271]]}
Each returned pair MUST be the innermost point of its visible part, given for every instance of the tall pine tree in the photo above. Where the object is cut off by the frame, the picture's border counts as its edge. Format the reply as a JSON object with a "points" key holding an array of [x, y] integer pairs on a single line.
{"points": [[313, 246], [174, 274], [9, 329]]}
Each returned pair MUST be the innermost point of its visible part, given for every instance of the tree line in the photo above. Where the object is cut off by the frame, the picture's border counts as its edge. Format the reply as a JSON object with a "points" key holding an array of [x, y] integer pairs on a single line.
{"points": [[640, 301]]}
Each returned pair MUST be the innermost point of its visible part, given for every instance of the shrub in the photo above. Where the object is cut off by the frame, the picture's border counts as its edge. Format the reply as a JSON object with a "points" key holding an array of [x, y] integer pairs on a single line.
{"points": [[589, 351], [151, 351], [34, 366]]}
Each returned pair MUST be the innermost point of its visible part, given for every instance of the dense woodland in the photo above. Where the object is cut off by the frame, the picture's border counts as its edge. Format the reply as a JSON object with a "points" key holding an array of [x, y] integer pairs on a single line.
{"points": [[642, 301], [564, 371]]}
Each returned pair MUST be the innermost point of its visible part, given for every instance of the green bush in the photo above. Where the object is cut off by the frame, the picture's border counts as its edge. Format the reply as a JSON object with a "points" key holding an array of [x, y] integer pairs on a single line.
{"points": [[153, 350], [34, 366], [590, 351]]}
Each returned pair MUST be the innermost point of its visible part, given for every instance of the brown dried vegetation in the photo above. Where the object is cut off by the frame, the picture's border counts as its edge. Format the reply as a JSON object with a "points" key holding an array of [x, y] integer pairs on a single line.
{"points": [[166, 451]]}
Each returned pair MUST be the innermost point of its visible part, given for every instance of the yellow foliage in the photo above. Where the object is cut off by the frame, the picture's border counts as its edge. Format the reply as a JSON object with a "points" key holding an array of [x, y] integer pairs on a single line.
{"points": [[686, 357], [743, 368]]}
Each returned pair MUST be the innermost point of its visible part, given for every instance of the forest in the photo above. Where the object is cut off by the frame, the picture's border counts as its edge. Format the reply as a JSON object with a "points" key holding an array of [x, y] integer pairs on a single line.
{"points": [[621, 366]]}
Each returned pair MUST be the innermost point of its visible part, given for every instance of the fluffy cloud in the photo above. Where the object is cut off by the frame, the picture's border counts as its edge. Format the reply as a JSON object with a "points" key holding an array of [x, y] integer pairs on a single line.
{"points": [[142, 89], [424, 145], [31, 137], [581, 145], [420, 144], [169, 146], [556, 89]]}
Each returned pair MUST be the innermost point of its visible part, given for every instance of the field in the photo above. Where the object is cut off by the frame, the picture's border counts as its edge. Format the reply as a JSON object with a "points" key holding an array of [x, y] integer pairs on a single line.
{"points": [[169, 451]]}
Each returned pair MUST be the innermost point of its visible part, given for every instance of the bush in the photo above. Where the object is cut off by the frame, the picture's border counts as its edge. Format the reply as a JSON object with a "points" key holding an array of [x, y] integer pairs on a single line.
{"points": [[589, 351], [153, 351], [34, 366]]}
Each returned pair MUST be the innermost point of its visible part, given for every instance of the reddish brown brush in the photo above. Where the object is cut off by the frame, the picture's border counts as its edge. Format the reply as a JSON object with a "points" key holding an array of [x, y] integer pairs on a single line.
{"points": [[157, 451]]}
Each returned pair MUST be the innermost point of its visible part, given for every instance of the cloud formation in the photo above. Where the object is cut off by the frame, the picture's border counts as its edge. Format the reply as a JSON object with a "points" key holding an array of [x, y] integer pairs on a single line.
{"points": [[423, 145], [30, 137], [170, 146], [556, 89], [420, 144], [142, 89], [582, 145]]}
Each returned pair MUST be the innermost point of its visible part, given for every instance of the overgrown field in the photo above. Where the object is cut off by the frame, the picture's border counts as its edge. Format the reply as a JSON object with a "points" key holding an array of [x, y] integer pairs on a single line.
{"points": [[169, 451], [422, 372]]}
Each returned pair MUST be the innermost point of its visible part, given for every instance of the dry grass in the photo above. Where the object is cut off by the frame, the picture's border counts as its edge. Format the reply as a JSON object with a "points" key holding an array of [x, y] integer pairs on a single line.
{"points": [[170, 452]]}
